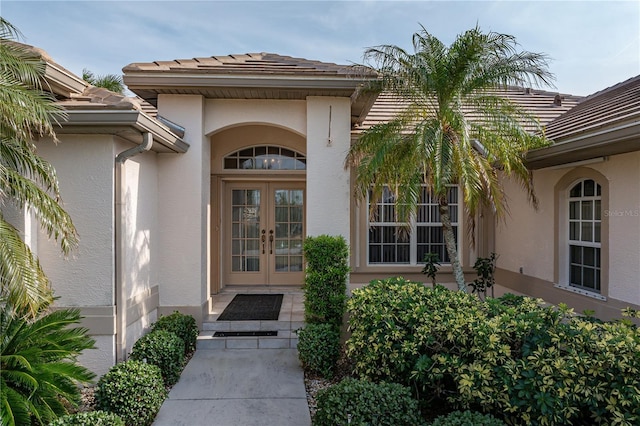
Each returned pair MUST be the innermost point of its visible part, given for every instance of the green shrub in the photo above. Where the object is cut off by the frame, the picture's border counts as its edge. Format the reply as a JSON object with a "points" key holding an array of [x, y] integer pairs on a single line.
{"points": [[325, 284], [164, 349], [360, 402], [183, 326], [467, 418], [39, 375], [532, 363], [582, 373], [133, 390], [91, 418], [319, 348]]}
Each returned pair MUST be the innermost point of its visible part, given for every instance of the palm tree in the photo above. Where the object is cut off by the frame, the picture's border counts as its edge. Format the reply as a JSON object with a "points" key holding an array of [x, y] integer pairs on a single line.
{"points": [[26, 180], [454, 128], [110, 82]]}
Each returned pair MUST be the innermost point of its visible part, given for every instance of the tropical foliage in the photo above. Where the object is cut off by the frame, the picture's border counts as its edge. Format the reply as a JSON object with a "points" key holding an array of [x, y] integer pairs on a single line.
{"points": [[110, 82], [515, 357], [454, 129], [38, 374], [26, 180]]}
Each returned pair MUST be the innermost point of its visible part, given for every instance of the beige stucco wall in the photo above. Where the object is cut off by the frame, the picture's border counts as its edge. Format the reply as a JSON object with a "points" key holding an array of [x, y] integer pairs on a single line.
{"points": [[223, 113], [141, 233], [183, 210], [623, 173], [328, 183], [526, 237], [84, 164]]}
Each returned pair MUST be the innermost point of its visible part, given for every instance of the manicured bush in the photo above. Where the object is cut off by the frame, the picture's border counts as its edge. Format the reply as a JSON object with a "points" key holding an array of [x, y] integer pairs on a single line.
{"points": [[183, 326], [319, 348], [514, 356], [467, 418], [133, 390], [90, 418], [164, 349], [360, 402], [325, 283]]}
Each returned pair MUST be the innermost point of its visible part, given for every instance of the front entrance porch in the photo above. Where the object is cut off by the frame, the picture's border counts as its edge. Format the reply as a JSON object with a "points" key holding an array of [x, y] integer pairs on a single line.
{"points": [[291, 318]]}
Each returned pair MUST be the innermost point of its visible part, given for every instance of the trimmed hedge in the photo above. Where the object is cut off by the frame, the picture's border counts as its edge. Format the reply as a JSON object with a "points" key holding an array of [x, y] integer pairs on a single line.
{"points": [[90, 418], [360, 402], [467, 418], [183, 326], [515, 357], [164, 349], [325, 283], [133, 390], [319, 348]]}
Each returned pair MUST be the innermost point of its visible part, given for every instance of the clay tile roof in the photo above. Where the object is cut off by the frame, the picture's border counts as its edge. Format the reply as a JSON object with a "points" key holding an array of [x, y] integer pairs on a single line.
{"points": [[544, 105], [250, 63], [604, 109]]}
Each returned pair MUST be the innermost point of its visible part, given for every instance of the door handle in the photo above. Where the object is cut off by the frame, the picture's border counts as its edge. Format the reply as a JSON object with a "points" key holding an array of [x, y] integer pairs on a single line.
{"points": [[263, 239], [271, 241]]}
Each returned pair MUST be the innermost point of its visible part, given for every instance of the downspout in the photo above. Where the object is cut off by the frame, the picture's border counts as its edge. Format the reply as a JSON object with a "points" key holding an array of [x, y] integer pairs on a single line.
{"points": [[120, 243]]}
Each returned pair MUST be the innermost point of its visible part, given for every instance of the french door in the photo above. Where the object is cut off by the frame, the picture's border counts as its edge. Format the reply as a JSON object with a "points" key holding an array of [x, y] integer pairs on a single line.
{"points": [[264, 230]]}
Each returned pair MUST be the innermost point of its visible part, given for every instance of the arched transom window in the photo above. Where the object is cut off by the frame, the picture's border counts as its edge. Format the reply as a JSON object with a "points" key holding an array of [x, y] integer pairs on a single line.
{"points": [[265, 157], [585, 214]]}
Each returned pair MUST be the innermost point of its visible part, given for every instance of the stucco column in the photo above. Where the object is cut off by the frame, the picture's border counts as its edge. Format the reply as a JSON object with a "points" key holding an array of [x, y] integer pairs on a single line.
{"points": [[328, 138], [183, 183]]}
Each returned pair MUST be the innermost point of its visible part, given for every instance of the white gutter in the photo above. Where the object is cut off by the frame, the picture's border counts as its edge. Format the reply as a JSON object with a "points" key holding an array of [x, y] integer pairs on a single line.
{"points": [[120, 243]]}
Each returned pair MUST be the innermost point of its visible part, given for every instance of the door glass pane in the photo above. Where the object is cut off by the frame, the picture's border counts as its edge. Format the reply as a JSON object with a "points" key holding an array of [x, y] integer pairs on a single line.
{"points": [[245, 230], [289, 230]]}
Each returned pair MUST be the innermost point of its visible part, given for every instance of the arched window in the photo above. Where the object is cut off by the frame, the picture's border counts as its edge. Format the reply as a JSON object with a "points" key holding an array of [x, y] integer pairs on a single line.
{"points": [[265, 157], [585, 218]]}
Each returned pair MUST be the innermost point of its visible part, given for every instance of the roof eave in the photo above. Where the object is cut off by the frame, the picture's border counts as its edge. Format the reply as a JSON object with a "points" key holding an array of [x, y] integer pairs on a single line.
{"points": [[620, 139], [62, 82], [129, 124], [153, 80]]}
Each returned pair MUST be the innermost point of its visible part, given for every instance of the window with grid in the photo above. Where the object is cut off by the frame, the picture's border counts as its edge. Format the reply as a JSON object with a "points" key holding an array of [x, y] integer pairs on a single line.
{"points": [[265, 157], [393, 242], [585, 213]]}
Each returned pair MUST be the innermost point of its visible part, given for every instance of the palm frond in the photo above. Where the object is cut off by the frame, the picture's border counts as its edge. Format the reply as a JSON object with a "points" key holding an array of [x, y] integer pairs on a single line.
{"points": [[23, 282], [38, 365]]}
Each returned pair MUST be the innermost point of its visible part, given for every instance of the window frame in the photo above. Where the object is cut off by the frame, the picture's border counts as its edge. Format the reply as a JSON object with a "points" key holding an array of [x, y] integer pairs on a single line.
{"points": [[576, 237], [412, 230], [562, 259]]}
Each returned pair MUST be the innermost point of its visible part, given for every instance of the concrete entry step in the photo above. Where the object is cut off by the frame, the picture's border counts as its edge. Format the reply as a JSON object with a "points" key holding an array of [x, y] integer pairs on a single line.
{"points": [[290, 319]]}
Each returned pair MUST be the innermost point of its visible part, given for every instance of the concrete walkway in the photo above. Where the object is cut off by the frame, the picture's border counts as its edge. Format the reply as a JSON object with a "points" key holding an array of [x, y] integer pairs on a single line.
{"points": [[238, 387]]}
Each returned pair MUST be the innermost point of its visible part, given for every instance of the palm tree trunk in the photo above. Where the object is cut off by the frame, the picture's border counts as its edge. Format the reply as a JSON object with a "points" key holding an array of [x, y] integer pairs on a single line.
{"points": [[450, 241]]}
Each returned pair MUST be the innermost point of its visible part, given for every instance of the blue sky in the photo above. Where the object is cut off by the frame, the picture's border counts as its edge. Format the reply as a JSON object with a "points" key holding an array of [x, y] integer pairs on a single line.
{"points": [[592, 44]]}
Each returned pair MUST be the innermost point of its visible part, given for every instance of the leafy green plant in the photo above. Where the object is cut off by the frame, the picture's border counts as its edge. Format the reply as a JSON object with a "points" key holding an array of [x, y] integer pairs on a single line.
{"points": [[360, 402], [133, 390], [164, 349], [90, 418], [431, 264], [38, 368], [485, 269], [184, 326], [319, 348], [325, 284], [467, 418], [532, 363]]}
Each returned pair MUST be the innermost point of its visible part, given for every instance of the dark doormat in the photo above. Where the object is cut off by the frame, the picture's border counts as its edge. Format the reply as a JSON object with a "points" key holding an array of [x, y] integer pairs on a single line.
{"points": [[253, 307], [244, 333]]}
